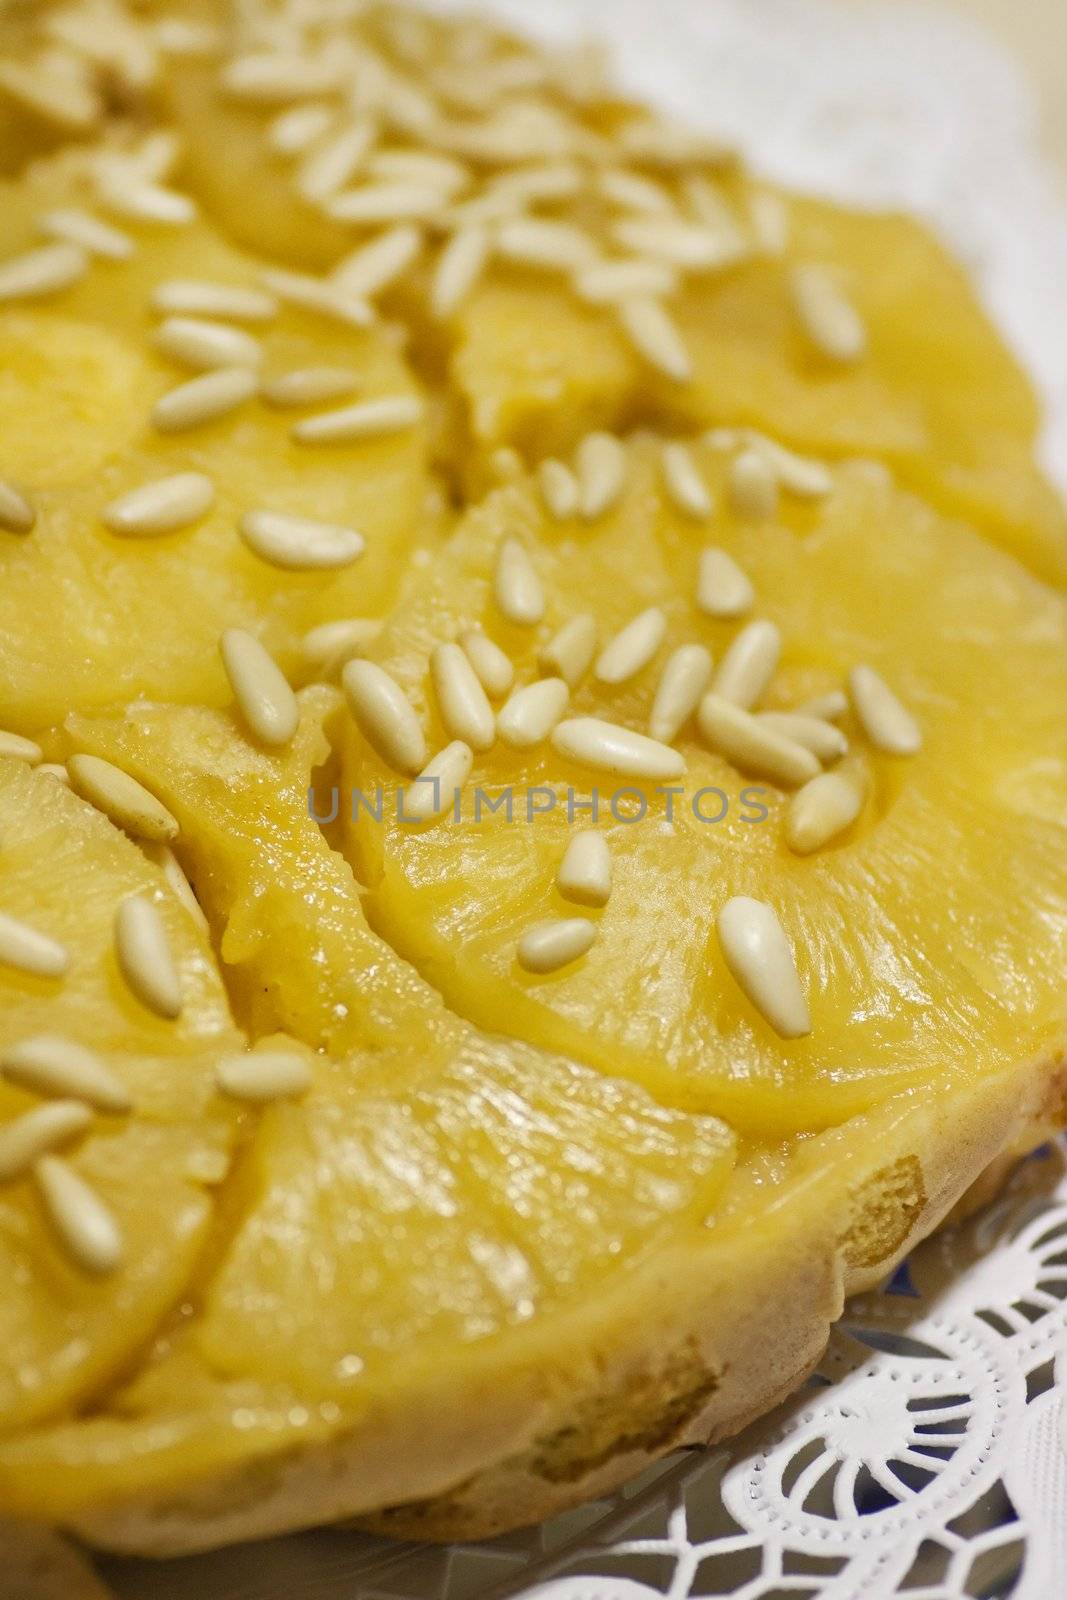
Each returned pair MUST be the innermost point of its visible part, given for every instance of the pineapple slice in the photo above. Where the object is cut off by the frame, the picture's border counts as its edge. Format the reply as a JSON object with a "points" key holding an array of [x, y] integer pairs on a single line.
{"points": [[935, 391], [306, 964], [63, 871], [937, 395], [969, 834], [518, 1188], [89, 617]]}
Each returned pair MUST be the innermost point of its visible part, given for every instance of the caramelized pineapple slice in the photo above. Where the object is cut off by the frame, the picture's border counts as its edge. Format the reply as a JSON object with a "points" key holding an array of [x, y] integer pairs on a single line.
{"points": [[937, 394], [934, 390], [971, 833], [90, 617], [63, 871], [402, 1228], [515, 1187], [307, 964]]}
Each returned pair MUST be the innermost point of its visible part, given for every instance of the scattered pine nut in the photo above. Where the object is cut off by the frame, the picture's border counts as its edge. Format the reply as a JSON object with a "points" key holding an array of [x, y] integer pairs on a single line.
{"points": [[612, 282], [459, 266], [154, 157], [824, 808], [203, 399], [768, 218], [685, 678], [814, 733], [751, 745], [888, 724], [505, 464], [166, 506], [16, 513], [559, 489], [126, 802], [85, 1226], [549, 182], [328, 167], [17, 748], [176, 36], [516, 586], [300, 544], [584, 874], [723, 590], [178, 884], [552, 246], [654, 334], [278, 77], [264, 698], [608, 747], [203, 346], [263, 1076], [319, 296], [547, 946], [385, 716], [757, 953], [631, 191], [26, 950], [569, 653], [25, 1139], [531, 713], [632, 648], [601, 468], [686, 489], [88, 233], [798, 475], [420, 166], [710, 205], [387, 202], [689, 245], [292, 132], [435, 787], [828, 317], [753, 485], [493, 668], [48, 270], [142, 201], [67, 100], [61, 1069], [461, 700], [370, 419], [749, 664], [830, 706], [373, 267], [144, 957], [308, 386], [331, 644], [194, 297]]}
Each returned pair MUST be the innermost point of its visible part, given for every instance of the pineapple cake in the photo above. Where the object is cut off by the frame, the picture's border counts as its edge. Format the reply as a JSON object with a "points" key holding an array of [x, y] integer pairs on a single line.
{"points": [[533, 778]]}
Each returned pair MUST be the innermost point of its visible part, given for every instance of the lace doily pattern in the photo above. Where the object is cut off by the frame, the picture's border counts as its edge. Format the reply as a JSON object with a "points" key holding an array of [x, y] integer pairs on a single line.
{"points": [[925, 1459]]}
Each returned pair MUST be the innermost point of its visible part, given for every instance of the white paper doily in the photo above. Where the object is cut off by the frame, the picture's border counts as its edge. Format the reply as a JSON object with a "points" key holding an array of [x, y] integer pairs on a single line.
{"points": [[925, 1460], [928, 1458]]}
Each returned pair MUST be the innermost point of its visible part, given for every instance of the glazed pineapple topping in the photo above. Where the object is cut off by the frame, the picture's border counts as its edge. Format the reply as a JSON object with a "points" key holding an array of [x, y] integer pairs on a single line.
{"points": [[640, 574]]}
